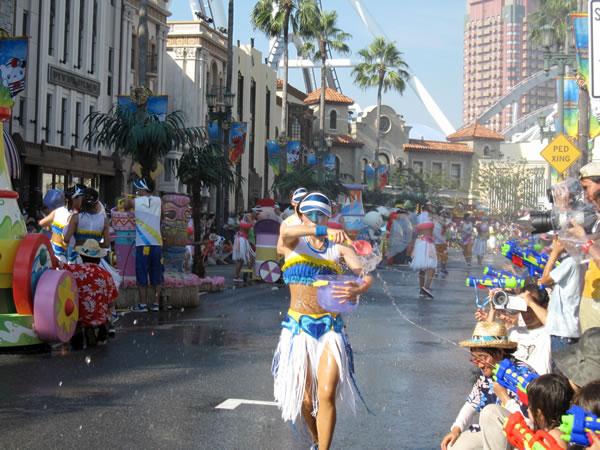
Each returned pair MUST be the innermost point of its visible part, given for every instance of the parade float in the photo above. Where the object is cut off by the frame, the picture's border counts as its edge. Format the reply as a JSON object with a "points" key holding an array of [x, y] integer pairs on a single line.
{"points": [[37, 302], [179, 289]]}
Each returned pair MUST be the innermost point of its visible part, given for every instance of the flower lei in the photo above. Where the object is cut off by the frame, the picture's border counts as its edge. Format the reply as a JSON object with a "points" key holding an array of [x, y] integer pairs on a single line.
{"points": [[139, 95]]}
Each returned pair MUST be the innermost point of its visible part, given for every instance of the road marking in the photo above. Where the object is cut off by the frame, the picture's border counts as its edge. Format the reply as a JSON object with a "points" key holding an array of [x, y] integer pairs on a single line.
{"points": [[232, 403]]}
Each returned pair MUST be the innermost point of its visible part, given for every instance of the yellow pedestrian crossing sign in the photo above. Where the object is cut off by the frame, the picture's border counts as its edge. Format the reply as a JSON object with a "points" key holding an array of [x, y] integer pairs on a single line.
{"points": [[561, 153]]}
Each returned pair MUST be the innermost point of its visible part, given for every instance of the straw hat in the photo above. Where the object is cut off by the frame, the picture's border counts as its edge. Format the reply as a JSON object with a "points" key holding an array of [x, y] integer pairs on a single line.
{"points": [[91, 248], [489, 334]]}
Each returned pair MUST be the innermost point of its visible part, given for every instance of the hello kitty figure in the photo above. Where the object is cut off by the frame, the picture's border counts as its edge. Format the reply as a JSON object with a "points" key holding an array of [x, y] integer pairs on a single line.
{"points": [[13, 75]]}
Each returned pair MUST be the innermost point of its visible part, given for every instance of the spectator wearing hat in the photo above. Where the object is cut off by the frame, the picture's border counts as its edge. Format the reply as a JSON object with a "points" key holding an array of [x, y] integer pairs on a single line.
{"points": [[489, 345], [589, 306], [580, 362], [295, 197], [96, 287], [148, 241]]}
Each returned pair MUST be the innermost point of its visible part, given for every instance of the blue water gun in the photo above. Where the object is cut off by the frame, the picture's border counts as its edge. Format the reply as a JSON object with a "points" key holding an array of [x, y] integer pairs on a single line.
{"points": [[577, 424], [488, 282], [529, 258], [514, 379]]}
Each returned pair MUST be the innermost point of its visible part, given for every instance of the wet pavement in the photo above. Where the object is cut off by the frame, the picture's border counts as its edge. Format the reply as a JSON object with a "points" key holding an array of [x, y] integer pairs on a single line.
{"points": [[158, 383]]}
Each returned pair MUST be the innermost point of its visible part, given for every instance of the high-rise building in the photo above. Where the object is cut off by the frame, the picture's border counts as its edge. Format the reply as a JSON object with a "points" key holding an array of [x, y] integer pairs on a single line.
{"points": [[498, 54]]}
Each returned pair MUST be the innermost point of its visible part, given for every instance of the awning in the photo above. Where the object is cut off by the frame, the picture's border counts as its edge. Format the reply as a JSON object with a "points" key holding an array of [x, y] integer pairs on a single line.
{"points": [[12, 156]]}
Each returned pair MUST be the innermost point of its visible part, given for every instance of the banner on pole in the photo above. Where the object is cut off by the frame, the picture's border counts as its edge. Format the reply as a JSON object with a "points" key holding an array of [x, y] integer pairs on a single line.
{"points": [[237, 141]]}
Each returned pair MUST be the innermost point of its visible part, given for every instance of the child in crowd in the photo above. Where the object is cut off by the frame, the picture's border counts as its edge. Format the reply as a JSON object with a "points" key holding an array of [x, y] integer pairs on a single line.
{"points": [[549, 399]]}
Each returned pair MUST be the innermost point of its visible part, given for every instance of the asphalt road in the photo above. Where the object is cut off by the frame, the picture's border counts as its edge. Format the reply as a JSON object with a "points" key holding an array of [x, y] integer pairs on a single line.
{"points": [[157, 385]]}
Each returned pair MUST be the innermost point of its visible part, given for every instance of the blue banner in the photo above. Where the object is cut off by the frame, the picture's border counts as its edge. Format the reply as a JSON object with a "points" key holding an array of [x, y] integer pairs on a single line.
{"points": [[13, 60], [274, 154], [157, 105], [293, 154]]}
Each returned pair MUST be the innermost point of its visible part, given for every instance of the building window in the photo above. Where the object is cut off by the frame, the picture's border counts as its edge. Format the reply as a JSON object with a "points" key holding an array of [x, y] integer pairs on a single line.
{"points": [[133, 47], [336, 166], [77, 123], [25, 31], [110, 70], [22, 112], [418, 166], [295, 128], [81, 25], [51, 32], [436, 168], [486, 151], [268, 113], [333, 119], [364, 164], [90, 129], [456, 173], [169, 169], [63, 120], [66, 34], [240, 97], [48, 116], [94, 36]]}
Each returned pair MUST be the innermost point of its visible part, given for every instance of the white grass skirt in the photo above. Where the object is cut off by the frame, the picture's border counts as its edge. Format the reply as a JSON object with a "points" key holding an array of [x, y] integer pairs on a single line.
{"points": [[242, 250], [480, 247], [297, 354], [425, 256]]}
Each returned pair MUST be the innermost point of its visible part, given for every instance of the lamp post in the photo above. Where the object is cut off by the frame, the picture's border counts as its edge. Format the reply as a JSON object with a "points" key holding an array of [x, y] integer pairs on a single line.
{"points": [[322, 149], [560, 59], [545, 133], [223, 118]]}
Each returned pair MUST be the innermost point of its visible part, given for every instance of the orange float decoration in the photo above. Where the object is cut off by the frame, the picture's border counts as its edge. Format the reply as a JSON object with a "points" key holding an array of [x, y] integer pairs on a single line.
{"points": [[56, 306], [34, 257]]}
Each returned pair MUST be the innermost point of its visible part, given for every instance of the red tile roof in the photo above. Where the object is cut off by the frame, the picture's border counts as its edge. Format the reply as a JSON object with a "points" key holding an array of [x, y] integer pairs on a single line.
{"points": [[291, 91], [346, 140], [475, 131], [331, 96], [420, 145]]}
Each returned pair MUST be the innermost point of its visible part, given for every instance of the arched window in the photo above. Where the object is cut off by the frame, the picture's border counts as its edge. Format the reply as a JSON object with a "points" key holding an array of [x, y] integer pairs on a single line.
{"points": [[364, 164], [333, 119], [383, 158], [336, 166], [486, 151]]}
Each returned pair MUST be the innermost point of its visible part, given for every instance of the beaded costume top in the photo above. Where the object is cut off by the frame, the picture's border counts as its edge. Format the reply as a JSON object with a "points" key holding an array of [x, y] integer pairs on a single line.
{"points": [[304, 262], [61, 218], [91, 226]]}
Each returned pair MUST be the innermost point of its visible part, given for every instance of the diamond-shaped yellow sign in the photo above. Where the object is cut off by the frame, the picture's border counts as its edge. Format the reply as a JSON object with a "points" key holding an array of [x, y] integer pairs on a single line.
{"points": [[561, 153]]}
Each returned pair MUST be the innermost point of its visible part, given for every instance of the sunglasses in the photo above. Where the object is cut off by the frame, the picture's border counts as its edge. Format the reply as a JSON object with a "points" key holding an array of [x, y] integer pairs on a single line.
{"points": [[315, 216]]}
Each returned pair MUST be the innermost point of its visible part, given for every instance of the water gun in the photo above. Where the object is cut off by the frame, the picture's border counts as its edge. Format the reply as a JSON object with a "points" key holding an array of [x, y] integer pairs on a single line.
{"points": [[521, 436], [513, 379], [577, 424], [534, 261], [490, 271], [493, 282]]}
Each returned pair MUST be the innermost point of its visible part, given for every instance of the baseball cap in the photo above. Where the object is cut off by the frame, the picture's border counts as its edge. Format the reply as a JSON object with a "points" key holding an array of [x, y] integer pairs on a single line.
{"points": [[590, 170]]}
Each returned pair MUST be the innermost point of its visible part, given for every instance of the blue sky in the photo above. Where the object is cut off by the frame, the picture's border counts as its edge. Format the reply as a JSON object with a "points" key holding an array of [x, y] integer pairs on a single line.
{"points": [[429, 33]]}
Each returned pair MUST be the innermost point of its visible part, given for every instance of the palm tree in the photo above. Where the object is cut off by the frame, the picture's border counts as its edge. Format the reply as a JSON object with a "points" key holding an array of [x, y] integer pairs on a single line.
{"points": [[274, 17], [383, 67], [326, 35], [203, 166], [305, 175], [141, 134]]}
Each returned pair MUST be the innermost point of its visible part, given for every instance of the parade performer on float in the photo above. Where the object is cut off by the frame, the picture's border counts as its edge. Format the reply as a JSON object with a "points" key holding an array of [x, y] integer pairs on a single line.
{"points": [[59, 220], [312, 365]]}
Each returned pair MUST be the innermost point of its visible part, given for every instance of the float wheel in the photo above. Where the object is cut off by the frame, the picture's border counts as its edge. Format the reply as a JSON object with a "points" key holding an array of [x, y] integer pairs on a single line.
{"points": [[270, 271], [56, 306], [34, 257]]}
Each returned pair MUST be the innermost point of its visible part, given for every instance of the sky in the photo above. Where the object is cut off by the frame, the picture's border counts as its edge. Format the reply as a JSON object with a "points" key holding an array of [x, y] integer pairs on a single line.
{"points": [[429, 33]]}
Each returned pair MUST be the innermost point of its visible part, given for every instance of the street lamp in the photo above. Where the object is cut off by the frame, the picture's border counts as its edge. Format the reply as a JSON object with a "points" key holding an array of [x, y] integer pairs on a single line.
{"points": [[544, 133], [322, 149], [561, 60], [223, 118]]}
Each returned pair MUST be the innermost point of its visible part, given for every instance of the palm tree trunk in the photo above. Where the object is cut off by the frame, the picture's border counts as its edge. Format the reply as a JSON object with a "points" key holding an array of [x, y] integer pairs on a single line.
{"points": [[378, 131], [142, 42], [321, 150], [198, 265], [284, 106]]}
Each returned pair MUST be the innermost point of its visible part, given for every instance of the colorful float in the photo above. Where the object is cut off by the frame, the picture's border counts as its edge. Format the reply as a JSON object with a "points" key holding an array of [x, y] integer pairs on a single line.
{"points": [[37, 302]]}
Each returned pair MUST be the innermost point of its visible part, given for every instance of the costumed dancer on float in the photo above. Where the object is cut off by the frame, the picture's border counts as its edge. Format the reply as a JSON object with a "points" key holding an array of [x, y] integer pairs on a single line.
{"points": [[295, 198], [466, 235], [424, 257], [59, 220], [312, 366], [481, 241]]}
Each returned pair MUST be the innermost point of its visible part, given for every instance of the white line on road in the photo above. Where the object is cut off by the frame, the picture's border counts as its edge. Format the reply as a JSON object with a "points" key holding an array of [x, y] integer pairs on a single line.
{"points": [[232, 403]]}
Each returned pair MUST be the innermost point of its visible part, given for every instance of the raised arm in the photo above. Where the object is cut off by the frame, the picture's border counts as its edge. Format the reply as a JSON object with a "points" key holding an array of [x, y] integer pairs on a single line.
{"points": [[47, 220], [106, 234]]}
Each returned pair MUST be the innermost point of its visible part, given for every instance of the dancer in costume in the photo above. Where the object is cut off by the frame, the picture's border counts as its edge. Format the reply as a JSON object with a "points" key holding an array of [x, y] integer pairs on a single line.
{"points": [[481, 241], [59, 220], [242, 251], [295, 198], [424, 257], [312, 366], [466, 235]]}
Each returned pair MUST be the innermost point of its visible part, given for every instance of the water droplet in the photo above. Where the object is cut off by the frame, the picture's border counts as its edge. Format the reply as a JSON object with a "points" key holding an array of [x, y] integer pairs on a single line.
{"points": [[135, 322], [134, 341], [80, 427], [153, 333], [88, 360], [45, 406], [135, 392], [146, 352], [60, 383], [182, 309]]}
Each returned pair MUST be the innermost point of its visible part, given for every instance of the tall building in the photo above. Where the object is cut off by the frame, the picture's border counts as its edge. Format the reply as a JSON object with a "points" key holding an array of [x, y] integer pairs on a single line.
{"points": [[497, 56]]}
